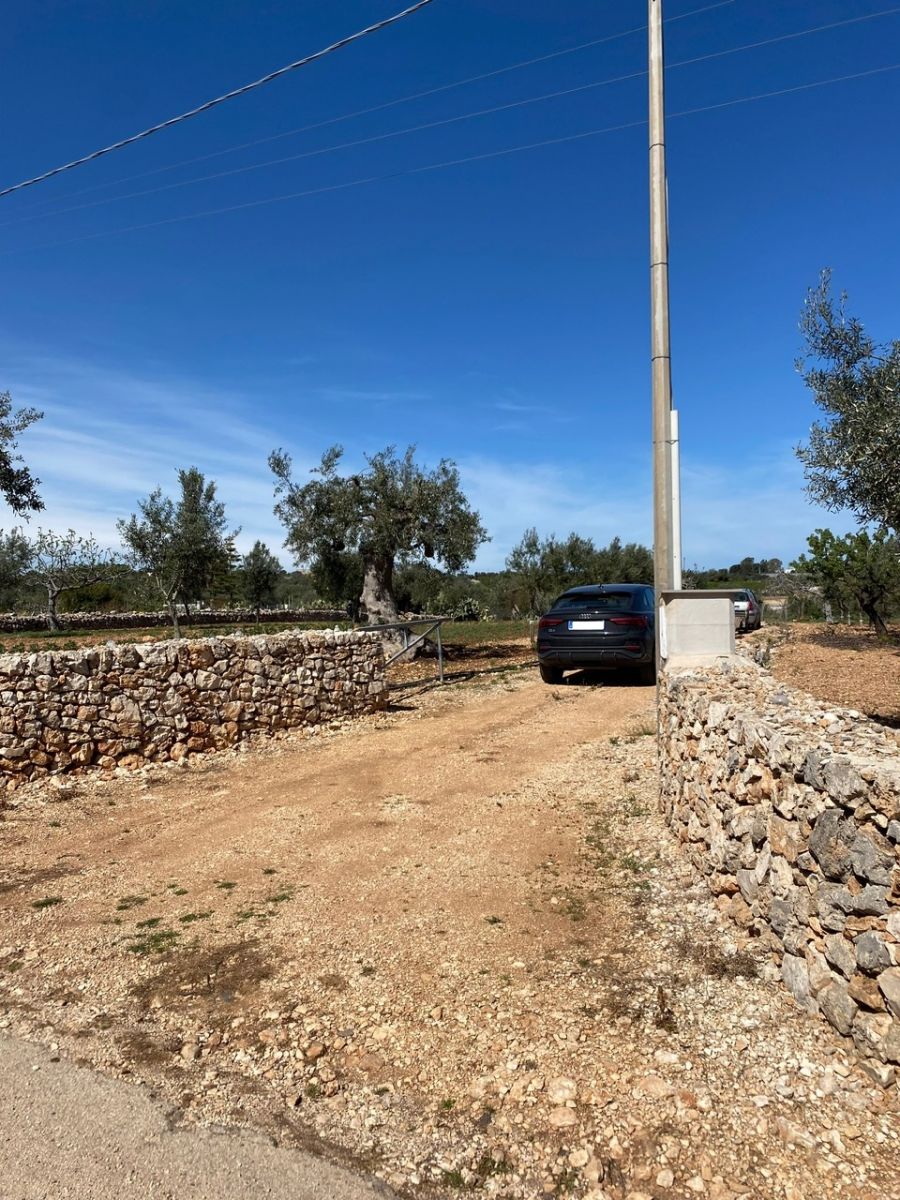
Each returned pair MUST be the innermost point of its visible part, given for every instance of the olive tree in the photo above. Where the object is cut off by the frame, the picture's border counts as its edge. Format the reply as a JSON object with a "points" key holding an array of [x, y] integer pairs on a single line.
{"points": [[392, 511], [17, 485], [66, 562], [179, 543], [260, 573], [852, 460], [860, 566], [15, 557]]}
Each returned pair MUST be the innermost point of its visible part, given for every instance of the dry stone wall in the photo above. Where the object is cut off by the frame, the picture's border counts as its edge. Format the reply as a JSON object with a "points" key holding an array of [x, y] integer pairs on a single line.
{"points": [[33, 622], [126, 705], [791, 810]]}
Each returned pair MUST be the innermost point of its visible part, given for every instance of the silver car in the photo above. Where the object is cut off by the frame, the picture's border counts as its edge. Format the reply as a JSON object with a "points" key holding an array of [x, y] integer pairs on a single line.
{"points": [[747, 610]]}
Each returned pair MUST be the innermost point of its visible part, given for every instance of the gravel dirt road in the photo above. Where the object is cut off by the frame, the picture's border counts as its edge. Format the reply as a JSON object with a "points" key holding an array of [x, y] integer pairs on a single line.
{"points": [[66, 1131], [452, 945]]}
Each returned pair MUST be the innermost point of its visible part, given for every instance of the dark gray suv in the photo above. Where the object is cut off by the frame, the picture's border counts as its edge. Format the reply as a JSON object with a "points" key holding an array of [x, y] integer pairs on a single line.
{"points": [[602, 626]]}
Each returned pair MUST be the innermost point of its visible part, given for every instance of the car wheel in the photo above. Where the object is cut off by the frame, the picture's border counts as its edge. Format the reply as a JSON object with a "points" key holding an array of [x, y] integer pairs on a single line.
{"points": [[646, 674], [551, 674]]}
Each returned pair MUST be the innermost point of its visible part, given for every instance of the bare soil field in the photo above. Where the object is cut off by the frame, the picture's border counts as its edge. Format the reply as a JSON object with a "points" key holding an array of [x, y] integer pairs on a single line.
{"points": [[847, 665], [452, 943]]}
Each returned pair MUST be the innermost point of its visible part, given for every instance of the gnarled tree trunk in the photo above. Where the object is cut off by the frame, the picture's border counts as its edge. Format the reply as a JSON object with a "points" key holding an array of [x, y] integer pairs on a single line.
{"points": [[378, 606]]}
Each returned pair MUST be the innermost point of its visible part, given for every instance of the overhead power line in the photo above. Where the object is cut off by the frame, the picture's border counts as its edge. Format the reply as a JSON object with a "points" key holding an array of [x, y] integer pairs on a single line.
{"points": [[482, 112], [241, 91], [456, 162], [365, 112]]}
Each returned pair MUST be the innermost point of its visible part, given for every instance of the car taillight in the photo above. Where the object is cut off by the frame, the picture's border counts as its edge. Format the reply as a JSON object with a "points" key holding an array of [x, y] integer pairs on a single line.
{"points": [[549, 622], [631, 622]]}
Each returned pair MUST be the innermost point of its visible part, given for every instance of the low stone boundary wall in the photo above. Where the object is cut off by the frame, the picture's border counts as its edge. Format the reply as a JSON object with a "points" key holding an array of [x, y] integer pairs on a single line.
{"points": [[126, 705], [791, 810], [32, 622]]}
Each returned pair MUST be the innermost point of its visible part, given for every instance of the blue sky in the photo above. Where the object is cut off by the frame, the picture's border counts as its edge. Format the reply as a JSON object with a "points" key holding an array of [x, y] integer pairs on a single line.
{"points": [[493, 312]]}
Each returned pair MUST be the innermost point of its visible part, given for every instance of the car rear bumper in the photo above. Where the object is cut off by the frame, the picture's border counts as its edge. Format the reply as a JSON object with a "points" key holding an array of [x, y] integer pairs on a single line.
{"points": [[592, 659]]}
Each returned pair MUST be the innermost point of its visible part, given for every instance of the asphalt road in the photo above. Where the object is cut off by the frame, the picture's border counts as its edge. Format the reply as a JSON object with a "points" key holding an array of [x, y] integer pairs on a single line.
{"points": [[67, 1133]]}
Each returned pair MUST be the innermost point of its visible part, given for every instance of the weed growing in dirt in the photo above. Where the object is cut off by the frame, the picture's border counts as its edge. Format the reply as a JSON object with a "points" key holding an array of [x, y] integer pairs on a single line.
{"points": [[631, 862], [494, 920], [313, 1090], [54, 824], [180, 891], [367, 971], [641, 729], [189, 918], [150, 923], [249, 914], [448, 1103], [715, 962], [632, 807], [126, 902], [269, 871], [156, 941], [455, 1179], [280, 897], [47, 902], [225, 884], [575, 907], [488, 1166]]}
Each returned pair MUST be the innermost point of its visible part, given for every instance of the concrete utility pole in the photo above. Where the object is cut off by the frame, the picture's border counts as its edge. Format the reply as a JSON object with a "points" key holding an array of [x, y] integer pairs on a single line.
{"points": [[666, 487]]}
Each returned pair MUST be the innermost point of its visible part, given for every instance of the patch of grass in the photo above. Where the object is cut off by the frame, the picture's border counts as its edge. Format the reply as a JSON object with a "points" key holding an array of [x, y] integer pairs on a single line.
{"points": [[47, 902], [494, 920], [454, 1179], [280, 897], [225, 884], [127, 902], [575, 907], [270, 871], [248, 914], [313, 1090], [179, 891], [614, 741], [488, 1166], [189, 918], [14, 966], [641, 729], [448, 1104], [631, 862], [632, 807], [54, 824], [150, 923], [158, 941]]}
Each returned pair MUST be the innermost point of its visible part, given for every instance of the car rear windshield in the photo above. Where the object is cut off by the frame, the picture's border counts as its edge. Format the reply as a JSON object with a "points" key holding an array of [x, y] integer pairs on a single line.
{"points": [[603, 602]]}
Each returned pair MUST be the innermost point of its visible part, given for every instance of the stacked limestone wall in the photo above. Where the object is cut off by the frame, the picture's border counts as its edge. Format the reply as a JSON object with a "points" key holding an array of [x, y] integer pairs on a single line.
{"points": [[33, 622], [126, 705], [791, 810]]}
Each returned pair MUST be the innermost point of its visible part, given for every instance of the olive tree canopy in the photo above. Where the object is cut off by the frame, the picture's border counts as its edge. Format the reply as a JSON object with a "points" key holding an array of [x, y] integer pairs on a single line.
{"points": [[852, 460], [18, 487], [393, 511], [180, 544]]}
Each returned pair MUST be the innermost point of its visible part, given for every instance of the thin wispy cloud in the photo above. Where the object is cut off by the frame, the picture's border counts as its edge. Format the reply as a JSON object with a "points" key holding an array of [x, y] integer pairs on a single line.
{"points": [[111, 436]]}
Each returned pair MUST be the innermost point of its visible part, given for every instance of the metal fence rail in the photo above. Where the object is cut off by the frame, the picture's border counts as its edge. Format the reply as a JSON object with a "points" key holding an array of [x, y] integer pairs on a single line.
{"points": [[405, 627]]}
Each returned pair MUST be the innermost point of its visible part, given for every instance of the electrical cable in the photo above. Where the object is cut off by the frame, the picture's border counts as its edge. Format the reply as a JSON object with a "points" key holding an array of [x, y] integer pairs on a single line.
{"points": [[455, 162], [201, 108], [364, 112], [378, 137]]}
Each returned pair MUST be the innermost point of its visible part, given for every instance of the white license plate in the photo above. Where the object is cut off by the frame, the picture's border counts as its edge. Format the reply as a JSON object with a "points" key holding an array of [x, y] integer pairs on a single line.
{"points": [[587, 624]]}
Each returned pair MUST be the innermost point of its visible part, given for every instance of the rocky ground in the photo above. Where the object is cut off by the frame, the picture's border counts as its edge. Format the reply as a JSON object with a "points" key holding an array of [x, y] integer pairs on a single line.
{"points": [[453, 943], [845, 664]]}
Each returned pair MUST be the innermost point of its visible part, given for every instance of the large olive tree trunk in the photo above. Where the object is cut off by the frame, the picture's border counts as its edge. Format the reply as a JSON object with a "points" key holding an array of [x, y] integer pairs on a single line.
{"points": [[378, 606], [377, 603]]}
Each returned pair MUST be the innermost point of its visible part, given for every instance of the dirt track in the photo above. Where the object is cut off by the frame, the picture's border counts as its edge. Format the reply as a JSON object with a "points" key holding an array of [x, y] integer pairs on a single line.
{"points": [[453, 942]]}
